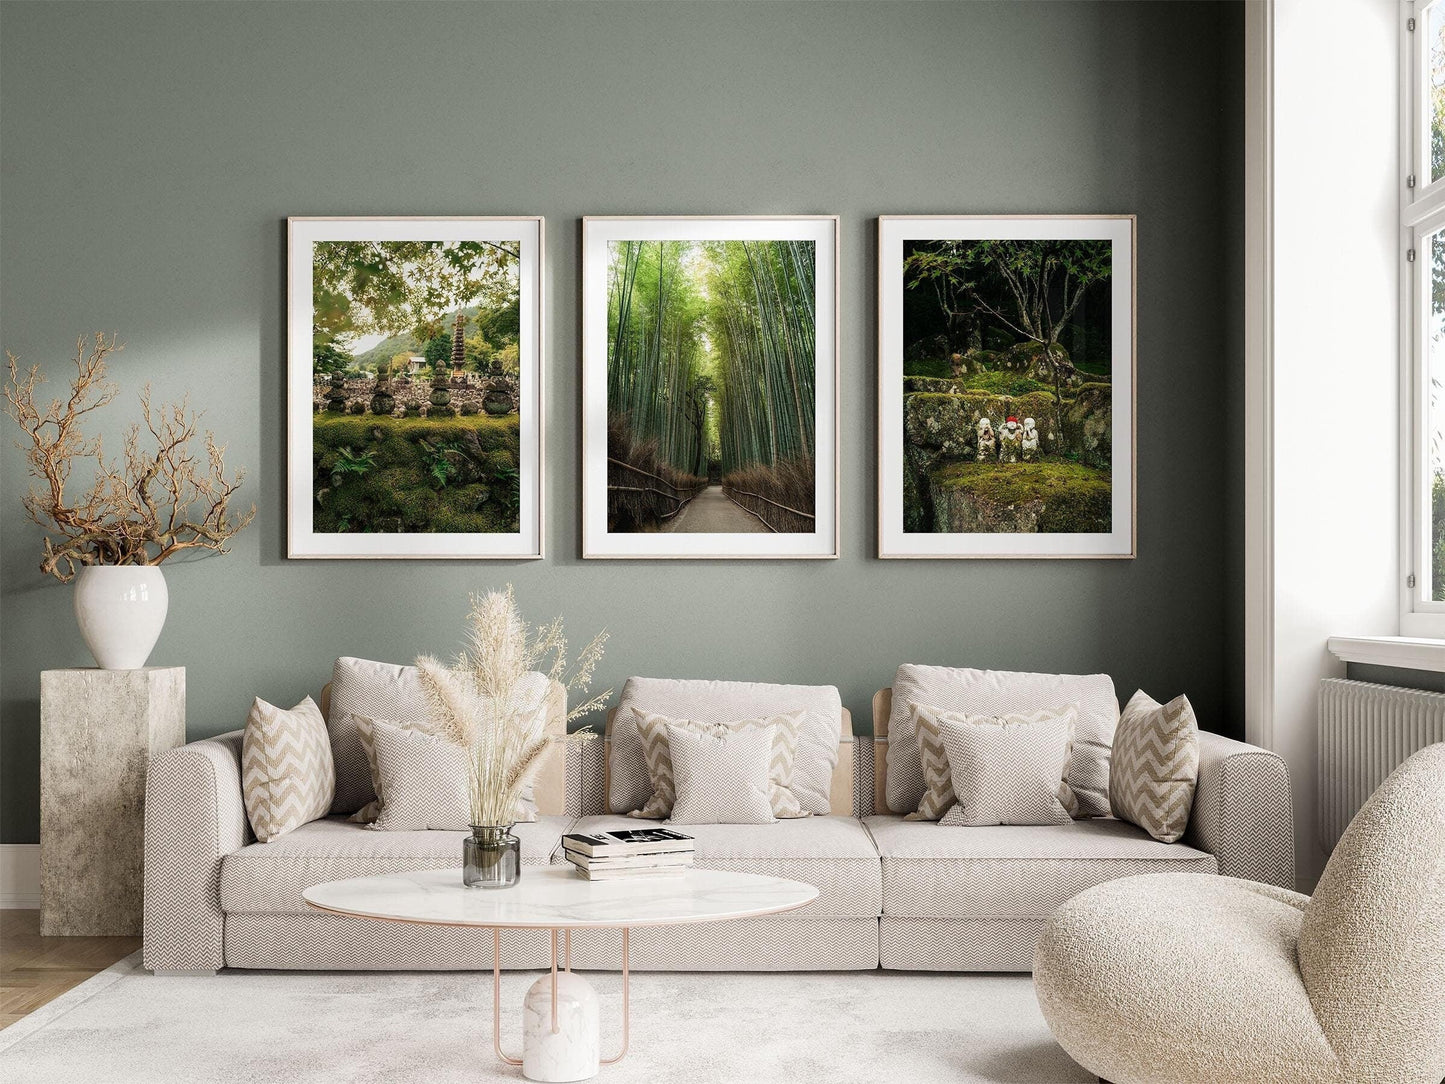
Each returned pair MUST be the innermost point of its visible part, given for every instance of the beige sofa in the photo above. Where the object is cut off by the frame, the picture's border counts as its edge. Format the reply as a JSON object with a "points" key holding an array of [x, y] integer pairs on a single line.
{"points": [[900, 894], [975, 899]]}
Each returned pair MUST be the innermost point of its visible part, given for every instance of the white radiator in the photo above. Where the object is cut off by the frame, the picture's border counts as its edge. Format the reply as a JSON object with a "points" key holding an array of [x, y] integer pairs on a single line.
{"points": [[1365, 732]]}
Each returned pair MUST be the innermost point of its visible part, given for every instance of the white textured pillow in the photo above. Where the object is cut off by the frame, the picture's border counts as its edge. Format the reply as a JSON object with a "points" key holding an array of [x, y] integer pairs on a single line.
{"points": [[720, 702], [653, 731], [376, 690], [1004, 692], [1007, 770], [287, 776], [721, 775], [422, 780], [397, 683]]}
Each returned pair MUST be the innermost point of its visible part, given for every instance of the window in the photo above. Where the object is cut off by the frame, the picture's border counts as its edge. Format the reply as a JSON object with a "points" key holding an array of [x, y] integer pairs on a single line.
{"points": [[1423, 238]]}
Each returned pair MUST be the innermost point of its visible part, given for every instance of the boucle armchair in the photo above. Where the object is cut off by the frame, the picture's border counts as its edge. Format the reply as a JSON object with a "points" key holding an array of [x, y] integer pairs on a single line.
{"points": [[1177, 977]]}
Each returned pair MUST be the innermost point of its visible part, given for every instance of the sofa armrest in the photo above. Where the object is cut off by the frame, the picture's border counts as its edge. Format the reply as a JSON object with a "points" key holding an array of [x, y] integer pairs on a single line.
{"points": [[195, 815], [1243, 812], [586, 775]]}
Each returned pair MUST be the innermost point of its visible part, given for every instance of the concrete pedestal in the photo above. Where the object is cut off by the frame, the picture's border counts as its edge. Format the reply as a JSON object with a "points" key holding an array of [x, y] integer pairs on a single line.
{"points": [[98, 730]]}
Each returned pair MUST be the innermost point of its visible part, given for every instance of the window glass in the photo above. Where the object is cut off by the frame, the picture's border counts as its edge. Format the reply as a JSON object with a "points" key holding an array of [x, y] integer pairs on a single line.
{"points": [[1435, 430], [1435, 87]]}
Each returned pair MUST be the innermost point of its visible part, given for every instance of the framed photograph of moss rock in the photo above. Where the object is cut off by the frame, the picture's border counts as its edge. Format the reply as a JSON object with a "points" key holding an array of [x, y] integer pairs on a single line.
{"points": [[1006, 386], [709, 386], [414, 387]]}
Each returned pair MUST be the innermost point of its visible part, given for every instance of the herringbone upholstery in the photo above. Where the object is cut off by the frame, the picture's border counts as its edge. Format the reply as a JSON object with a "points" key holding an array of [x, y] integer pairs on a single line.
{"points": [[721, 775], [586, 775], [706, 701], [938, 797], [1004, 692], [652, 729], [1243, 811], [287, 774], [270, 878], [377, 690], [834, 853], [958, 944], [774, 943], [1155, 765], [1009, 769], [1015, 871], [326, 942], [194, 817]]}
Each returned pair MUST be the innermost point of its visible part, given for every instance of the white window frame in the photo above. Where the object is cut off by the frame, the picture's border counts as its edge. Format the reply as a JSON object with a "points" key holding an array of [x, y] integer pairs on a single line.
{"points": [[1422, 213]]}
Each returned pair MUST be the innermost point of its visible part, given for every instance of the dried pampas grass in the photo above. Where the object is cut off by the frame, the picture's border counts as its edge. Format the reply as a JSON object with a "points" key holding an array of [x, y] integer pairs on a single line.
{"points": [[479, 702]]}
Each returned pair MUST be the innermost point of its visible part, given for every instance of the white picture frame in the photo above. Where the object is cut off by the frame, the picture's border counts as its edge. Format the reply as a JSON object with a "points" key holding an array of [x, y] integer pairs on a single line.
{"points": [[599, 234], [303, 539], [894, 540]]}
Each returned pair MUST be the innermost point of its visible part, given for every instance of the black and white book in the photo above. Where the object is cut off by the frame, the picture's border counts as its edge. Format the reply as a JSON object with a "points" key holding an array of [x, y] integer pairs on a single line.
{"points": [[624, 841], [625, 874], [628, 861]]}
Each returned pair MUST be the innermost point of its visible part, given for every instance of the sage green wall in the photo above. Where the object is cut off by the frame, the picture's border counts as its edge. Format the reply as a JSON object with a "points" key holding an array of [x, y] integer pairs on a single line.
{"points": [[151, 153]]}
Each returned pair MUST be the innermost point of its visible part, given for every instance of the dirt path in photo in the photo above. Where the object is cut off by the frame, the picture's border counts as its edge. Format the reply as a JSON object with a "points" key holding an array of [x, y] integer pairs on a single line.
{"points": [[711, 512]]}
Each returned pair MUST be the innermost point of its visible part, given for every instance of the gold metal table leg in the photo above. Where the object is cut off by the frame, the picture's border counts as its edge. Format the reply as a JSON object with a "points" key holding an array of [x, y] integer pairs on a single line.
{"points": [[555, 1028], [626, 1003], [497, 997]]}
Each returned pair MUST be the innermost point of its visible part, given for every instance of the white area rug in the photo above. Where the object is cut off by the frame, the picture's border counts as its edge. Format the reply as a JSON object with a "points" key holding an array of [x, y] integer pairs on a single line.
{"points": [[126, 1026]]}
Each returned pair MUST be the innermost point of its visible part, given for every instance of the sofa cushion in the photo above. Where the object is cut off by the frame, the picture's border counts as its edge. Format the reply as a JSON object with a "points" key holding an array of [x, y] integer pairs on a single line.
{"points": [[1003, 692], [1021, 872], [721, 774], [271, 876], [287, 776], [652, 730], [378, 690], [707, 701], [833, 853]]}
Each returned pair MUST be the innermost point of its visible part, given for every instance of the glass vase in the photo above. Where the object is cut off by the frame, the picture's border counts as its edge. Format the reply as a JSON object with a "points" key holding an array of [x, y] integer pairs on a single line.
{"points": [[491, 857]]}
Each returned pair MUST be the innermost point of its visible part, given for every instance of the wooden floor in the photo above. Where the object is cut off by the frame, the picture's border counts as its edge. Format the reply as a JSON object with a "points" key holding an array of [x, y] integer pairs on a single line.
{"points": [[35, 969]]}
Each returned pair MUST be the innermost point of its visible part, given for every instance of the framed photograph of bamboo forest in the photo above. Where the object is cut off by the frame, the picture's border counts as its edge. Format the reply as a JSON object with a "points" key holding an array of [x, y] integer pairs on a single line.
{"points": [[414, 387], [710, 385], [1006, 386]]}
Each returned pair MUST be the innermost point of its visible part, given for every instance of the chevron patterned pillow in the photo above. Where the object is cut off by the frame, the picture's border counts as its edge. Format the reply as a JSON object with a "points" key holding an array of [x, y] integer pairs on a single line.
{"points": [[653, 731], [1155, 765], [288, 777], [722, 774], [1009, 769], [938, 796]]}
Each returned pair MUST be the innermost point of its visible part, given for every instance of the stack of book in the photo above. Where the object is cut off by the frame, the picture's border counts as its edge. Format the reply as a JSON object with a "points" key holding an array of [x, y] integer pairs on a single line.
{"points": [[628, 852]]}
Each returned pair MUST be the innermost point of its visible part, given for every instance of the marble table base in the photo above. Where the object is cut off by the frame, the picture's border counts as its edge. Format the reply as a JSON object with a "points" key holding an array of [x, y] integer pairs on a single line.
{"points": [[561, 1037]]}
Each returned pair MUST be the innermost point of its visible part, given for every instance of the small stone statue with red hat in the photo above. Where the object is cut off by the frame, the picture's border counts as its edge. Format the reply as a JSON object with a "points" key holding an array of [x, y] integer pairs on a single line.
{"points": [[1010, 436]]}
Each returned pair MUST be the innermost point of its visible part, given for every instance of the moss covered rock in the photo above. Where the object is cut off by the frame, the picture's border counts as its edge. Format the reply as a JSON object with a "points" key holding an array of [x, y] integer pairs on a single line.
{"points": [[947, 422], [1032, 360], [399, 492], [1052, 496], [1087, 425]]}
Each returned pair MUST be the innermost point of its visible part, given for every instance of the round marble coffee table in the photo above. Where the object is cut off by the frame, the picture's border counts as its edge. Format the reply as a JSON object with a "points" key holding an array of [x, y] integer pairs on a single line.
{"points": [[562, 1044]]}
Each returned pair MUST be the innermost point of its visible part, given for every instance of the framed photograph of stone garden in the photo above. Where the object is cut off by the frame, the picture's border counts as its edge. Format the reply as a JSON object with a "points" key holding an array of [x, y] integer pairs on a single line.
{"points": [[1006, 386], [709, 386], [414, 387]]}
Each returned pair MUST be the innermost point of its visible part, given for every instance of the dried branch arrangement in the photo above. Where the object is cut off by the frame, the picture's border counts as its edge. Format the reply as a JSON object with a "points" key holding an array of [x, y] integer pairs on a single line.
{"points": [[480, 701], [141, 509]]}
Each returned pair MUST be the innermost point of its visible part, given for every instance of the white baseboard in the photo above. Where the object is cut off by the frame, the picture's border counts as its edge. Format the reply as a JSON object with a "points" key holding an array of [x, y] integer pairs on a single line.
{"points": [[19, 875]]}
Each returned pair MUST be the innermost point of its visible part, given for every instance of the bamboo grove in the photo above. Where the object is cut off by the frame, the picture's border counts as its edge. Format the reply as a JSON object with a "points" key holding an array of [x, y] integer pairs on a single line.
{"points": [[711, 364]]}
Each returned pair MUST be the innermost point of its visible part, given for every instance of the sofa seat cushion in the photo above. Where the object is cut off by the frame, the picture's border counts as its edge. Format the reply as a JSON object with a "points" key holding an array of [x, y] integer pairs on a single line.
{"points": [[704, 701], [1008, 871], [833, 853], [270, 877]]}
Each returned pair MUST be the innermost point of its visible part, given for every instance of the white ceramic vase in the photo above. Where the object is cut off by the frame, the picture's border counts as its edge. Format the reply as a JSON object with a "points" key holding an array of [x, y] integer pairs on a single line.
{"points": [[121, 609]]}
